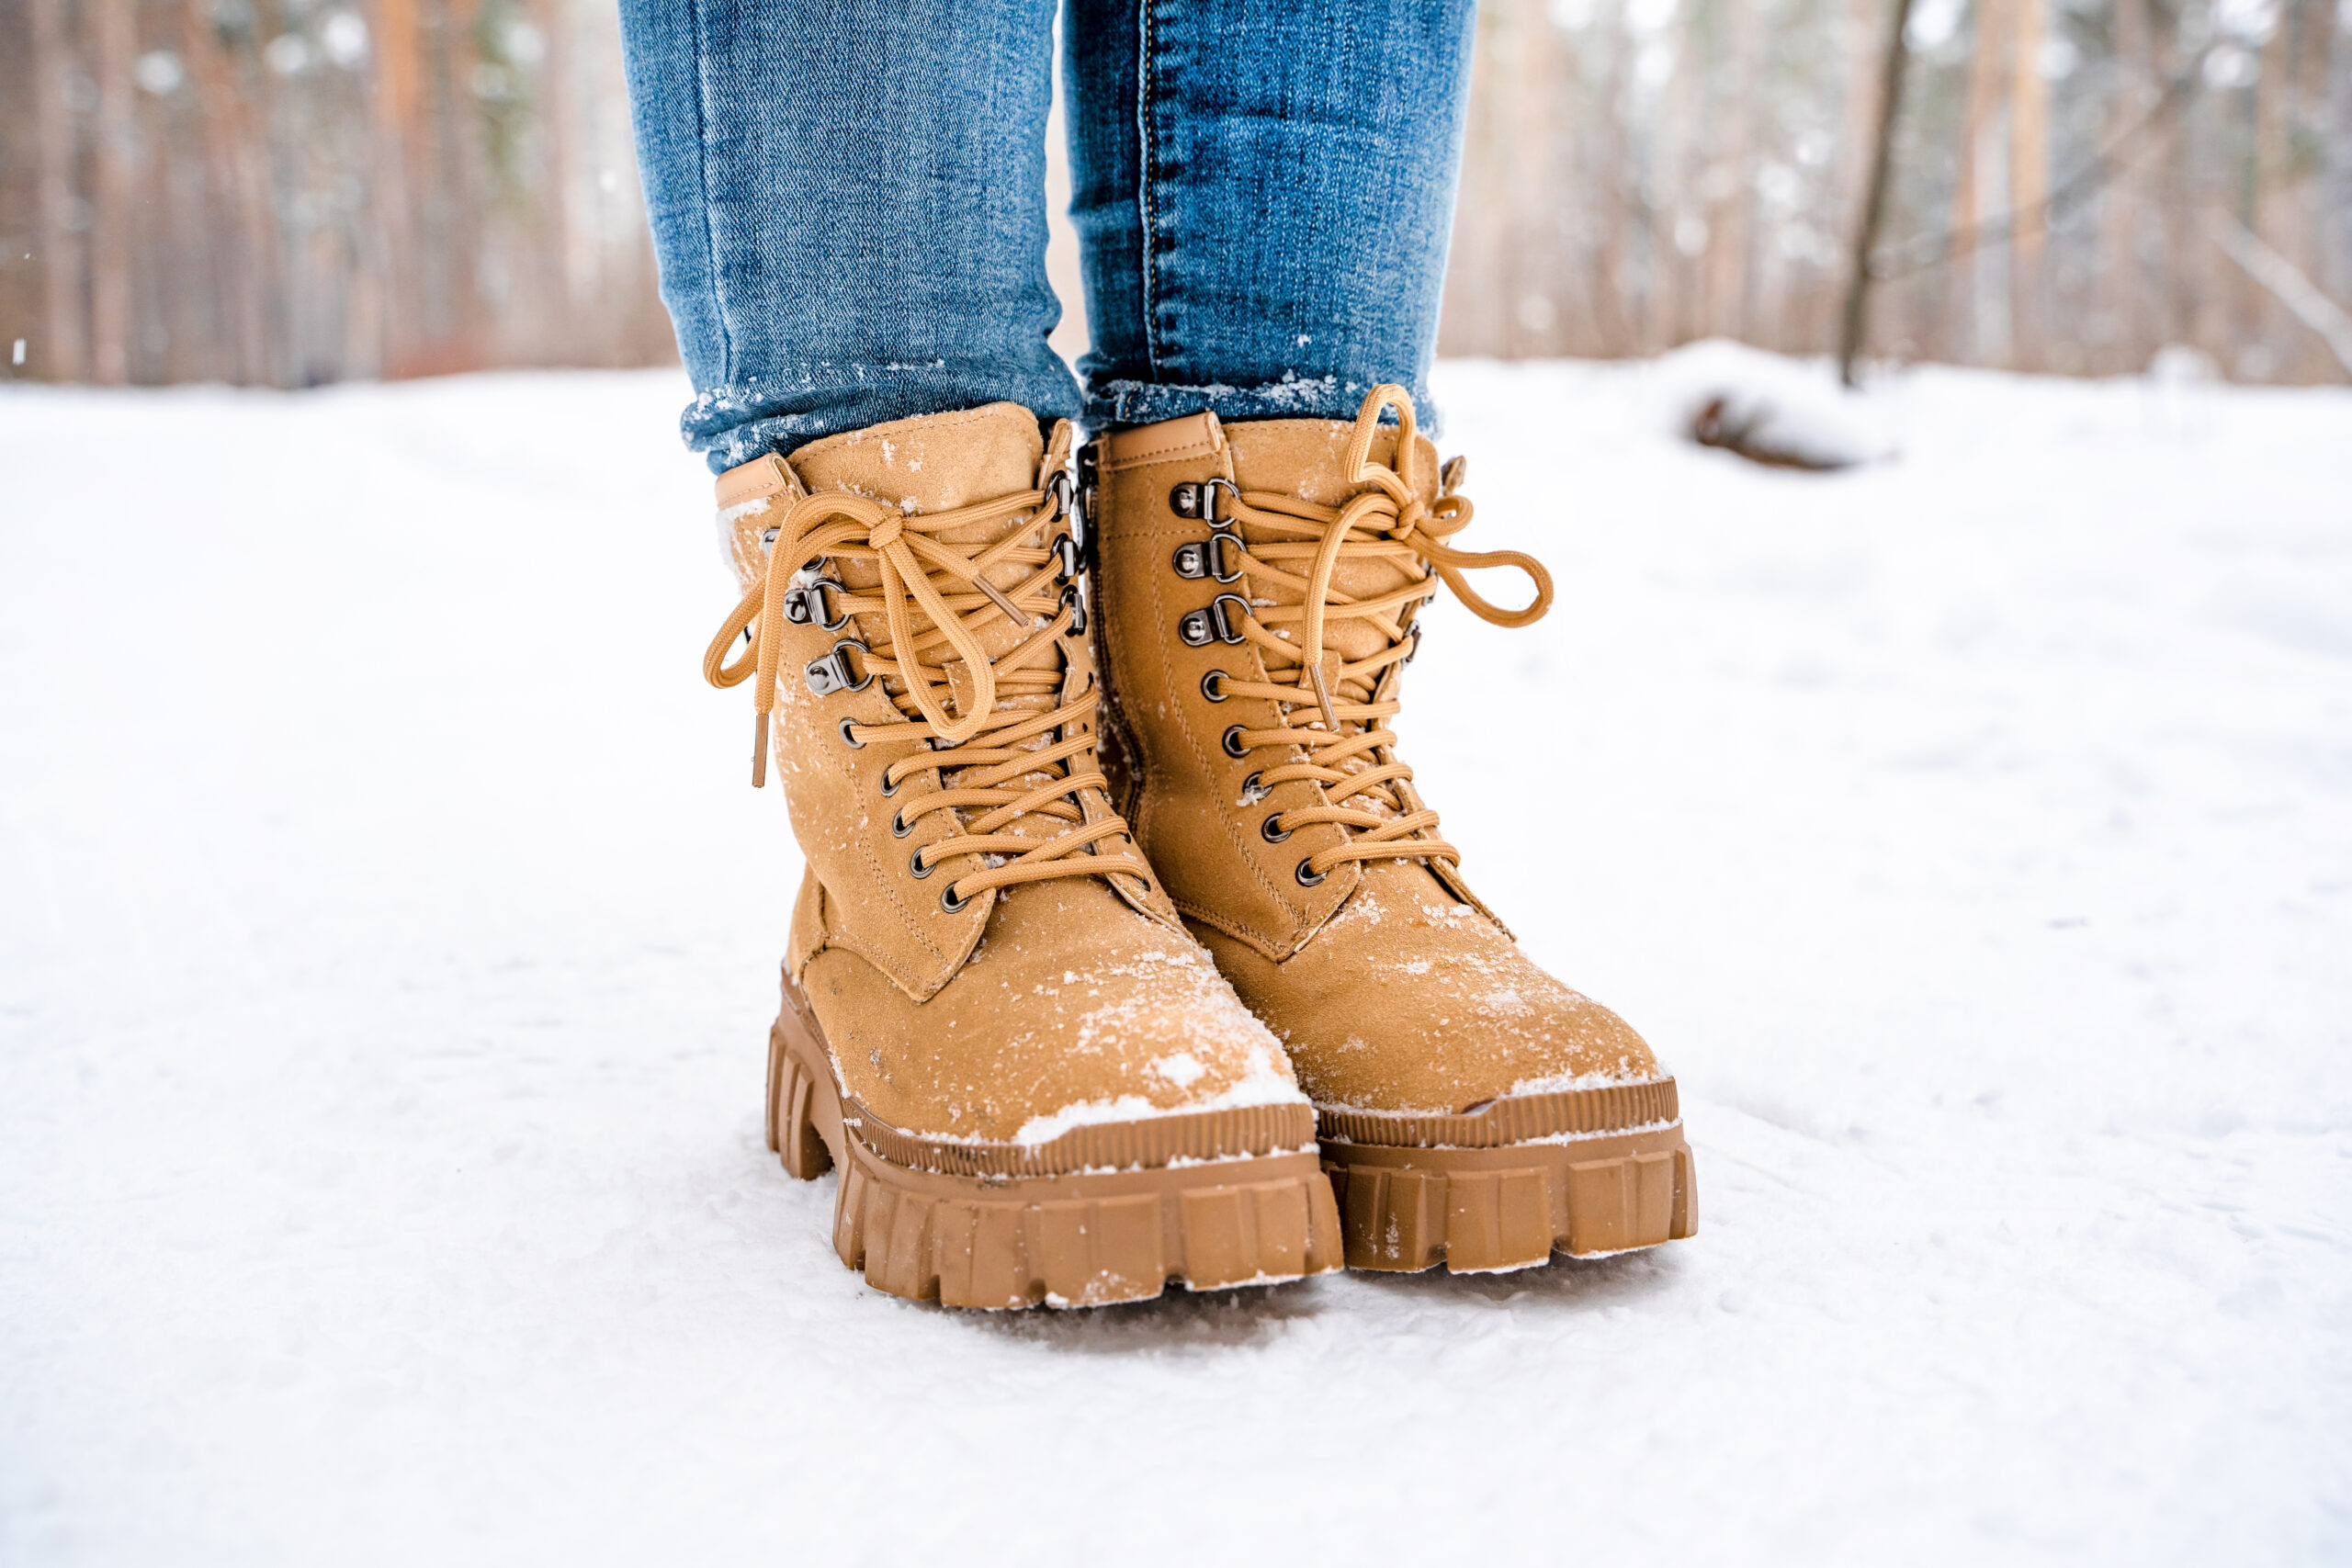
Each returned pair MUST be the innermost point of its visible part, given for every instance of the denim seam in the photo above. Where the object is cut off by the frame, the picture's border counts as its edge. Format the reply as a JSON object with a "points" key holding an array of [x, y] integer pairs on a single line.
{"points": [[710, 206], [1146, 174]]}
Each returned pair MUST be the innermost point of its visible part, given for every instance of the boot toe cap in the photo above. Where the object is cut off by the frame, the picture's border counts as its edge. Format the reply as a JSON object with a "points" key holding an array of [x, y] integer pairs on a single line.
{"points": [[1030, 1040], [1413, 1004], [1449, 1049]]}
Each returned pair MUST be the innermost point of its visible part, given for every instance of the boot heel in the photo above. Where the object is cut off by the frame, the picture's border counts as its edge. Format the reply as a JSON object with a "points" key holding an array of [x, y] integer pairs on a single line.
{"points": [[793, 1102]]}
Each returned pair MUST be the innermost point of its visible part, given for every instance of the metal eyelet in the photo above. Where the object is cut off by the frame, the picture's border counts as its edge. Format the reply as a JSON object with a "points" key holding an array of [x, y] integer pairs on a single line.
{"points": [[1233, 746], [1228, 624], [1272, 834], [1065, 558], [1209, 557], [1075, 603], [1252, 791], [915, 867], [1213, 686], [1200, 500], [768, 538], [805, 605], [1200, 627], [848, 740], [900, 826], [1309, 878], [949, 902], [1413, 651], [832, 673], [888, 788]]}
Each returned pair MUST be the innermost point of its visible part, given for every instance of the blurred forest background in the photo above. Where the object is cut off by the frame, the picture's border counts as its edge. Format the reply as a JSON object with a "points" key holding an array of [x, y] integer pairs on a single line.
{"points": [[290, 192]]}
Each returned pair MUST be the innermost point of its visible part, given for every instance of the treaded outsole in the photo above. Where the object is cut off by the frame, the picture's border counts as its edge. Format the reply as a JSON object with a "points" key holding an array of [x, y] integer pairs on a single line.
{"points": [[1085, 1238], [1487, 1210]]}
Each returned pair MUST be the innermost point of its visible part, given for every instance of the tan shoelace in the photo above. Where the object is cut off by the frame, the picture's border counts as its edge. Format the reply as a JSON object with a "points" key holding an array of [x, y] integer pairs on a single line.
{"points": [[1350, 752], [1017, 745]]}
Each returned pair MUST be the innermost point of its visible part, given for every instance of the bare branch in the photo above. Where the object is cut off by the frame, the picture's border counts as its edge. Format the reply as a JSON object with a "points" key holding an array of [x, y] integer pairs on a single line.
{"points": [[2285, 280]]}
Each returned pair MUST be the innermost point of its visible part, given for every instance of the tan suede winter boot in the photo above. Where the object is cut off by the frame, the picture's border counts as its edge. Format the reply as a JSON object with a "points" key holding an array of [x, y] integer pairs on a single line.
{"points": [[1255, 595], [1034, 1083]]}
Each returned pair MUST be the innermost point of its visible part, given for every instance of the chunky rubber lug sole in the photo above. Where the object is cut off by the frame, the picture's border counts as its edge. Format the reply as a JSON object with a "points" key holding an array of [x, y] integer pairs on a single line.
{"points": [[1105, 1213], [1588, 1172]]}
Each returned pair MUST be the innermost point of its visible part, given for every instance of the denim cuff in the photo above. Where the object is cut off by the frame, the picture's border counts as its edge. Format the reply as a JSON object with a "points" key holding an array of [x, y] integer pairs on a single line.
{"points": [[725, 444], [1110, 403], [749, 418]]}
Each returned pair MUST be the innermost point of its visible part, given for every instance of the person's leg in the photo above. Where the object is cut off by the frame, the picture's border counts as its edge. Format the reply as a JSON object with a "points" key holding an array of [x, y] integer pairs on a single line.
{"points": [[1263, 194], [848, 207], [1034, 1088]]}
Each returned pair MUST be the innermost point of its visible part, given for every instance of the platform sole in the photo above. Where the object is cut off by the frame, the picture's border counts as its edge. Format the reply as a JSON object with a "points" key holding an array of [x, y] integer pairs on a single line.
{"points": [[1081, 1237], [1404, 1209]]}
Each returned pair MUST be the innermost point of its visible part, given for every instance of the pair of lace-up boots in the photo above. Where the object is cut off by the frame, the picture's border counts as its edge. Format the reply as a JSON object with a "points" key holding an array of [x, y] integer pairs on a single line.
{"points": [[1126, 950]]}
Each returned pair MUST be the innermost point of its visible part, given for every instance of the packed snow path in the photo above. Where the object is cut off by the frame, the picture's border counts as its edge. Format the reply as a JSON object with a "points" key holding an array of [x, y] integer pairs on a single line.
{"points": [[389, 941]]}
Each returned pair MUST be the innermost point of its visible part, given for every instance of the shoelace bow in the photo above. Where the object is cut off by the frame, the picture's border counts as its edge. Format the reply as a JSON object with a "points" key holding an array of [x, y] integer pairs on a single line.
{"points": [[1351, 752], [1013, 747]]}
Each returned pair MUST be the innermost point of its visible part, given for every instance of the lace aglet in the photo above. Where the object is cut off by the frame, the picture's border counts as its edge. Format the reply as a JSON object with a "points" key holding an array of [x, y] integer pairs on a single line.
{"points": [[759, 751], [1003, 600], [1323, 698]]}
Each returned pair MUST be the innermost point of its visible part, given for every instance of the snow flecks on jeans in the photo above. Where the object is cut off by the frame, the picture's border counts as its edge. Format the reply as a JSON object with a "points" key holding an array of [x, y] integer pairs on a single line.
{"points": [[1292, 397], [784, 410]]}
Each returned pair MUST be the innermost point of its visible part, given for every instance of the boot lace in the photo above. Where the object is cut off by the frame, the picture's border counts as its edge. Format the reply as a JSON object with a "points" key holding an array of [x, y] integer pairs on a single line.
{"points": [[1018, 744], [1336, 709]]}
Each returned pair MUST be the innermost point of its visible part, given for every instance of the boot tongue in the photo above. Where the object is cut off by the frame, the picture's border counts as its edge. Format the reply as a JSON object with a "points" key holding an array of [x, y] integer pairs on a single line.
{"points": [[937, 463], [933, 463], [1307, 459]]}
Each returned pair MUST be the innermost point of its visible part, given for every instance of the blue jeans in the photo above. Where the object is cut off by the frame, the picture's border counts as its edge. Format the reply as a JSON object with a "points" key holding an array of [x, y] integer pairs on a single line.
{"points": [[849, 208]]}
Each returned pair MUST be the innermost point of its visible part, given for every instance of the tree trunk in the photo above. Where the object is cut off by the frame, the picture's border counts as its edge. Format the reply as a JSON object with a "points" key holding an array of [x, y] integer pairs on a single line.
{"points": [[1731, 220], [63, 347], [1967, 337], [1612, 270], [2334, 51], [2273, 204], [114, 48], [2029, 187], [1863, 54], [2121, 320], [1668, 192], [1855, 329]]}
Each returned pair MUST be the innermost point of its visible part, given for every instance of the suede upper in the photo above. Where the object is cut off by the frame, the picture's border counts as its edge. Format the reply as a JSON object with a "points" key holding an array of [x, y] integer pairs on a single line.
{"points": [[1035, 1005], [1393, 988]]}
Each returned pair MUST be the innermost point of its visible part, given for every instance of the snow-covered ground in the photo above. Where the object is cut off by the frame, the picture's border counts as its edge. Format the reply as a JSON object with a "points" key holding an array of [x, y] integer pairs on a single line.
{"points": [[386, 943]]}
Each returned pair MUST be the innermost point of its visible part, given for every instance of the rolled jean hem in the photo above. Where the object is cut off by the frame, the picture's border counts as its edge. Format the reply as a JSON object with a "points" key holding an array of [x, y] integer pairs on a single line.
{"points": [[749, 419], [1110, 403]]}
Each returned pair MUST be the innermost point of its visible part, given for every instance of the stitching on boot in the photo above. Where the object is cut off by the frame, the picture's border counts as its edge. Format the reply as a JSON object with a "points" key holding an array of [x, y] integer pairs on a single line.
{"points": [[1108, 717], [888, 881], [1192, 437], [849, 942], [741, 483]]}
